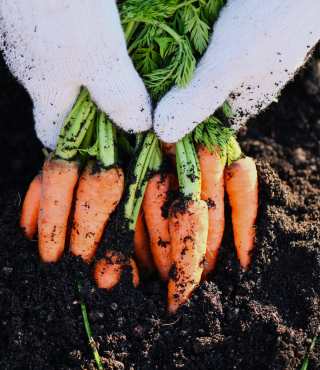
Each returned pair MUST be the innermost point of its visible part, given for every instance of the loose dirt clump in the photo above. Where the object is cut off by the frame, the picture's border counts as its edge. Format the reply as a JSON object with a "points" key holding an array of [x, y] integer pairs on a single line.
{"points": [[262, 319]]}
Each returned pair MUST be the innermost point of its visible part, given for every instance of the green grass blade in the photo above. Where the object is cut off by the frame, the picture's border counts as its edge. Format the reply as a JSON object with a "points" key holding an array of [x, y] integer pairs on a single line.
{"points": [[88, 330]]}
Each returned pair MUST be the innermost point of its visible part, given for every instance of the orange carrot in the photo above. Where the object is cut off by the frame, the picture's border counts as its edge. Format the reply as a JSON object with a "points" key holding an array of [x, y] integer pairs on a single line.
{"points": [[142, 245], [212, 191], [98, 194], [188, 225], [158, 226], [59, 178], [30, 208], [189, 232], [108, 271], [242, 187]]}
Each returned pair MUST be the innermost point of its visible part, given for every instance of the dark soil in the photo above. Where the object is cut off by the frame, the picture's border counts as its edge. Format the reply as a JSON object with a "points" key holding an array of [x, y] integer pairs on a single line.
{"points": [[263, 319]]}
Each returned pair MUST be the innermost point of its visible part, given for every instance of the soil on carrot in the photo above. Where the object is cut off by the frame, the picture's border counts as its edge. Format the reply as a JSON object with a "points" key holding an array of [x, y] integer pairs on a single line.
{"points": [[262, 319]]}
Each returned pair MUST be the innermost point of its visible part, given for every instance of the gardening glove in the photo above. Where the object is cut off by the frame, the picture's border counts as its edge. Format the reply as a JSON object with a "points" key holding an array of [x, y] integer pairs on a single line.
{"points": [[54, 47], [256, 48]]}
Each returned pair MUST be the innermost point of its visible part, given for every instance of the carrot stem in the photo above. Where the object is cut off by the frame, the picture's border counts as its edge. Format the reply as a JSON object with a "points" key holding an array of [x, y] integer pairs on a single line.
{"points": [[88, 330], [154, 165], [76, 126], [188, 168], [130, 30], [233, 150], [86, 142], [157, 158], [107, 141], [139, 140], [137, 187]]}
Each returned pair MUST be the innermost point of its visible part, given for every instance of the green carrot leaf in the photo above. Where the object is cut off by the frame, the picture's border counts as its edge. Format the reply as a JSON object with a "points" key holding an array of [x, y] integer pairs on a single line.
{"points": [[164, 45]]}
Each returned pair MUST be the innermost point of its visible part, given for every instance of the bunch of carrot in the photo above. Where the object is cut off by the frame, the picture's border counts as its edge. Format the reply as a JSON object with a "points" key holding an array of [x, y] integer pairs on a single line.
{"points": [[185, 243], [82, 183], [85, 184], [77, 182], [48, 202]]}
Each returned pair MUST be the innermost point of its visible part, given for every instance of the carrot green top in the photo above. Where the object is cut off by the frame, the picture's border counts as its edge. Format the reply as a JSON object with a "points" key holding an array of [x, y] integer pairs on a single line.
{"points": [[188, 168], [148, 159], [75, 127], [166, 38], [212, 134]]}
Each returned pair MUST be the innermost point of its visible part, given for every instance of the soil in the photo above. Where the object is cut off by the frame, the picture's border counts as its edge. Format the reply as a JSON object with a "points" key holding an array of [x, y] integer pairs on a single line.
{"points": [[262, 319]]}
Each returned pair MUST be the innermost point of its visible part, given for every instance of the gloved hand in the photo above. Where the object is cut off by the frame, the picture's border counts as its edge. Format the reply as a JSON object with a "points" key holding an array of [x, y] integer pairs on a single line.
{"points": [[256, 47], [54, 47]]}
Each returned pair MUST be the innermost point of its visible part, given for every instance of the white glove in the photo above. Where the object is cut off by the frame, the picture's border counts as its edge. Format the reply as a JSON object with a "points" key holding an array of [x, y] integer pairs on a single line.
{"points": [[53, 47], [256, 47]]}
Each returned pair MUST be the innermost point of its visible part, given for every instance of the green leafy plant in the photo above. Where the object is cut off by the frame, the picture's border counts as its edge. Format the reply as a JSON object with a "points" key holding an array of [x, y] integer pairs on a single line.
{"points": [[166, 38]]}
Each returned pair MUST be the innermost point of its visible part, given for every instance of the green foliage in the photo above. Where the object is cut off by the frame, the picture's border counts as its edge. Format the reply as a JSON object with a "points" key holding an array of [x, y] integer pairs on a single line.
{"points": [[179, 70], [212, 9], [132, 10], [166, 38], [212, 134]]}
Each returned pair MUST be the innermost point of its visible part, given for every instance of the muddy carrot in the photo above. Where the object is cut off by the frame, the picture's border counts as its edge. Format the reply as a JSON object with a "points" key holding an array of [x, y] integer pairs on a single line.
{"points": [[212, 165], [30, 208], [59, 177], [142, 245], [212, 138], [108, 270], [242, 188], [99, 192], [188, 227], [158, 225]]}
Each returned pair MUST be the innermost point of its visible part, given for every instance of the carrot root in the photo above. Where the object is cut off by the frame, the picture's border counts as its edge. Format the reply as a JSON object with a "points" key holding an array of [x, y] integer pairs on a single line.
{"points": [[108, 271], [30, 208], [59, 178], [189, 232], [242, 187], [98, 194], [158, 226], [212, 191], [142, 245]]}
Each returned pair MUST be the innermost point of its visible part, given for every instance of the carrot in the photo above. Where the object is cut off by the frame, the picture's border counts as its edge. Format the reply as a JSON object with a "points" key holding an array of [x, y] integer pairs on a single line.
{"points": [[30, 208], [59, 178], [108, 271], [188, 230], [188, 227], [242, 188], [142, 245], [212, 191], [158, 226], [98, 194]]}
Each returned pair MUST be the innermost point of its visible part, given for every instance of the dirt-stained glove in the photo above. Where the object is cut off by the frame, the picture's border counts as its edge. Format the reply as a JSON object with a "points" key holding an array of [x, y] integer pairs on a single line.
{"points": [[256, 47], [54, 47]]}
